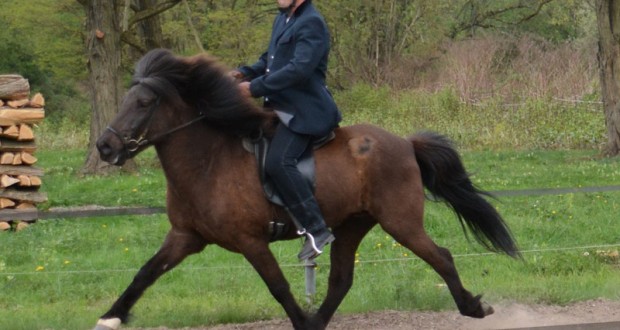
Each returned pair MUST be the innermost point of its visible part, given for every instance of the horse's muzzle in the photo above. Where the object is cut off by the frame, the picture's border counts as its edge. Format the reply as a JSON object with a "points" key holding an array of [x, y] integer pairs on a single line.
{"points": [[109, 151]]}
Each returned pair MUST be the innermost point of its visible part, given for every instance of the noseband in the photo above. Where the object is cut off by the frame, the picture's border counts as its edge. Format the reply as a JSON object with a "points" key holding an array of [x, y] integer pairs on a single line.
{"points": [[131, 145]]}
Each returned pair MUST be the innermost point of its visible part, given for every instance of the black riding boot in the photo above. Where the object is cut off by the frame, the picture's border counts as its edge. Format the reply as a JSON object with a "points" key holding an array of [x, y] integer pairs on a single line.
{"points": [[309, 221]]}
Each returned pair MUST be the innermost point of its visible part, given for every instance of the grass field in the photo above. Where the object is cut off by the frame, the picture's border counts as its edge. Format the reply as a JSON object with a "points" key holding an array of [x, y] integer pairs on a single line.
{"points": [[62, 274]]}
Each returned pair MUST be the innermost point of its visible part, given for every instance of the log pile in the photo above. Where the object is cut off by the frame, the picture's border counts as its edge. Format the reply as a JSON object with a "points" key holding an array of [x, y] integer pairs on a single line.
{"points": [[20, 180]]}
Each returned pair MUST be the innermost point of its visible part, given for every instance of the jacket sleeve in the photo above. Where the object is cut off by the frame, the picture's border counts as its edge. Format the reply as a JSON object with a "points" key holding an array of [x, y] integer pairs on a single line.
{"points": [[255, 70], [311, 43]]}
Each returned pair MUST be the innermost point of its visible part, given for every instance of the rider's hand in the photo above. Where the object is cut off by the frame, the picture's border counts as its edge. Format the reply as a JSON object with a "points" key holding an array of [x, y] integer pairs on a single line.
{"points": [[244, 87], [236, 74]]}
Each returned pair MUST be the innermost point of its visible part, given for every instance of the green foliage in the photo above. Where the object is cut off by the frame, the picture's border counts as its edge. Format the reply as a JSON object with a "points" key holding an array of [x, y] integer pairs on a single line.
{"points": [[52, 32], [556, 21], [533, 124], [17, 58], [43, 43], [237, 33]]}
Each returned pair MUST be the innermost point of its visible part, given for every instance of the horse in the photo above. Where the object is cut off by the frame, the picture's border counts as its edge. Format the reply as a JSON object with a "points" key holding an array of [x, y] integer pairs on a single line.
{"points": [[191, 111]]}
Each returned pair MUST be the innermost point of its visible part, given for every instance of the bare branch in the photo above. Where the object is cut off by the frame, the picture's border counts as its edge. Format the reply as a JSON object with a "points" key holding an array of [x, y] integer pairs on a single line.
{"points": [[483, 19], [129, 38], [153, 11]]}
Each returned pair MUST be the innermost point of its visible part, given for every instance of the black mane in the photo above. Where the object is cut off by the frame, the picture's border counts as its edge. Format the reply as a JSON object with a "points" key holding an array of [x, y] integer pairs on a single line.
{"points": [[201, 83]]}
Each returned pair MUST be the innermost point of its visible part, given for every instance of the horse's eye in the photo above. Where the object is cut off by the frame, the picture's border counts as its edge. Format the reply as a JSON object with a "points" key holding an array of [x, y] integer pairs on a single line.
{"points": [[145, 102]]}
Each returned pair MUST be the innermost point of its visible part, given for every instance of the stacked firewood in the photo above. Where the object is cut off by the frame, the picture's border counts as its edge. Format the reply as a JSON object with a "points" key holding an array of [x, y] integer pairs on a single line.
{"points": [[20, 180]]}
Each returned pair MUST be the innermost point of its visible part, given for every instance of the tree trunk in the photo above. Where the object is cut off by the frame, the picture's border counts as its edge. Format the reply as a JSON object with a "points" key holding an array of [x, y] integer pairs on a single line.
{"points": [[150, 29], [608, 21], [103, 46]]}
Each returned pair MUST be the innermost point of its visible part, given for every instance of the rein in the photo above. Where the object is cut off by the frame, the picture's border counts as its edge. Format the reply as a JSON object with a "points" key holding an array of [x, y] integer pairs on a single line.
{"points": [[131, 145]]}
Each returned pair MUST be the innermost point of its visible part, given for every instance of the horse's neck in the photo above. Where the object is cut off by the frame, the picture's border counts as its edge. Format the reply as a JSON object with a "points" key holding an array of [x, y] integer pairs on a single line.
{"points": [[191, 150]]}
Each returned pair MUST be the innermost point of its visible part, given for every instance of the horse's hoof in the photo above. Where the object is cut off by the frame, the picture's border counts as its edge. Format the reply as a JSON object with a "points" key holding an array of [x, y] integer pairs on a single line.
{"points": [[108, 324], [487, 309]]}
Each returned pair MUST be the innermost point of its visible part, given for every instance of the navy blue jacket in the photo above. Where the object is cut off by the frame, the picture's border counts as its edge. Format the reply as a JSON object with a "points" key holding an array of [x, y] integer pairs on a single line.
{"points": [[291, 74]]}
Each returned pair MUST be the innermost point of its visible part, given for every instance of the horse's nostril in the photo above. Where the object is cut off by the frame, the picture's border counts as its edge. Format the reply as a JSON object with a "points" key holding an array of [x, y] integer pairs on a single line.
{"points": [[104, 148]]}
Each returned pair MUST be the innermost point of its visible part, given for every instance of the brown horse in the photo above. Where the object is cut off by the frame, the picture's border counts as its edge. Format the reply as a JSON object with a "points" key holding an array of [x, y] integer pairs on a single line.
{"points": [[192, 113]]}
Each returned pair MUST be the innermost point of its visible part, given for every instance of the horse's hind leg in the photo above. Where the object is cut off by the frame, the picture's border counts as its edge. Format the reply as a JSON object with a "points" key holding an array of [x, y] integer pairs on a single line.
{"points": [[175, 248], [348, 238], [409, 232]]}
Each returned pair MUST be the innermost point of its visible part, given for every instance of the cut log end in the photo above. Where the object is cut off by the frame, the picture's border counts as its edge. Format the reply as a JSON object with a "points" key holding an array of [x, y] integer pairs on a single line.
{"points": [[7, 181], [37, 101], [18, 103], [21, 225], [5, 203], [25, 133], [5, 226], [27, 158]]}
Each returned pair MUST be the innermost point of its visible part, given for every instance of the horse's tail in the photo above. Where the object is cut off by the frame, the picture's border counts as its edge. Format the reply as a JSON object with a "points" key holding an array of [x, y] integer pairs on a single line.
{"points": [[444, 175]]}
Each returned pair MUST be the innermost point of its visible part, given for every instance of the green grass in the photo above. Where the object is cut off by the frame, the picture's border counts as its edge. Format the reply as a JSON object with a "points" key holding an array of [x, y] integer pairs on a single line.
{"points": [[78, 267]]}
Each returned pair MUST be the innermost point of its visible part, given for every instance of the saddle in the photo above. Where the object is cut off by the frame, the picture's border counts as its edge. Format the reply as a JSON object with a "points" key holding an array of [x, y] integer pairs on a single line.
{"points": [[259, 147]]}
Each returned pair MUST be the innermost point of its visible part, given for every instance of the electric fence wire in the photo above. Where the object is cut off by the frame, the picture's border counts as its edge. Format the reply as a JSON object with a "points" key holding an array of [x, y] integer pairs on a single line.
{"points": [[585, 248]]}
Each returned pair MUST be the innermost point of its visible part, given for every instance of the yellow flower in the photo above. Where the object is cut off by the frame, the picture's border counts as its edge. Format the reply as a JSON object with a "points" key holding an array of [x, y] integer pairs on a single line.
{"points": [[67, 262], [39, 268], [126, 249]]}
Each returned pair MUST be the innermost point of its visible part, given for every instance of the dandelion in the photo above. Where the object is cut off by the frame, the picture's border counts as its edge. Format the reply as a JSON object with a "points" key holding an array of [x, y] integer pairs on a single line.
{"points": [[405, 254], [66, 262], [39, 268], [126, 249], [134, 190], [104, 226], [378, 245], [120, 239]]}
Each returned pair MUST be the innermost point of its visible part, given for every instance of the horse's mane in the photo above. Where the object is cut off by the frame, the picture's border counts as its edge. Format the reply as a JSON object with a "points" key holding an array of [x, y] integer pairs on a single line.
{"points": [[201, 83]]}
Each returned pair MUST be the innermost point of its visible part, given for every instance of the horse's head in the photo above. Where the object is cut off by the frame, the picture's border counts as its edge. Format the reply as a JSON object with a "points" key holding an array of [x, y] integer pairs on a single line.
{"points": [[170, 93], [128, 133], [145, 115]]}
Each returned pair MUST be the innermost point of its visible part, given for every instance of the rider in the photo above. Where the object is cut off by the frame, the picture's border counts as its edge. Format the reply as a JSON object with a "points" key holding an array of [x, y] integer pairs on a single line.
{"points": [[290, 76]]}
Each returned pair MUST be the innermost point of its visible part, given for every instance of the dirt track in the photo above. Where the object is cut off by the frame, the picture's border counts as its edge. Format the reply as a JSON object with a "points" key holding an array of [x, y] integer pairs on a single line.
{"points": [[507, 316]]}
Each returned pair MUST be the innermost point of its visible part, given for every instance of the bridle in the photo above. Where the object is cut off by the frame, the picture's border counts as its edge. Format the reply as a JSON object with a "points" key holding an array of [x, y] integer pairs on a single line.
{"points": [[131, 145]]}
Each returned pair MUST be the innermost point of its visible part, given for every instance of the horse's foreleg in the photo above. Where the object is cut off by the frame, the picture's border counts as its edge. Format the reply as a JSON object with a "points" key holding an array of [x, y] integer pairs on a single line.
{"points": [[175, 248], [342, 258], [263, 261]]}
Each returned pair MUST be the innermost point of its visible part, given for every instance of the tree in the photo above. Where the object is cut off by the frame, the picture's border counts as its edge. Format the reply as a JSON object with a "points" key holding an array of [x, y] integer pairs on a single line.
{"points": [[608, 20], [107, 23], [103, 41]]}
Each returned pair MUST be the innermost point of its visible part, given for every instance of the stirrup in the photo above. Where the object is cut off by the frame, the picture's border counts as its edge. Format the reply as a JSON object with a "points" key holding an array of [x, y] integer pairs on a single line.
{"points": [[310, 249], [313, 243]]}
